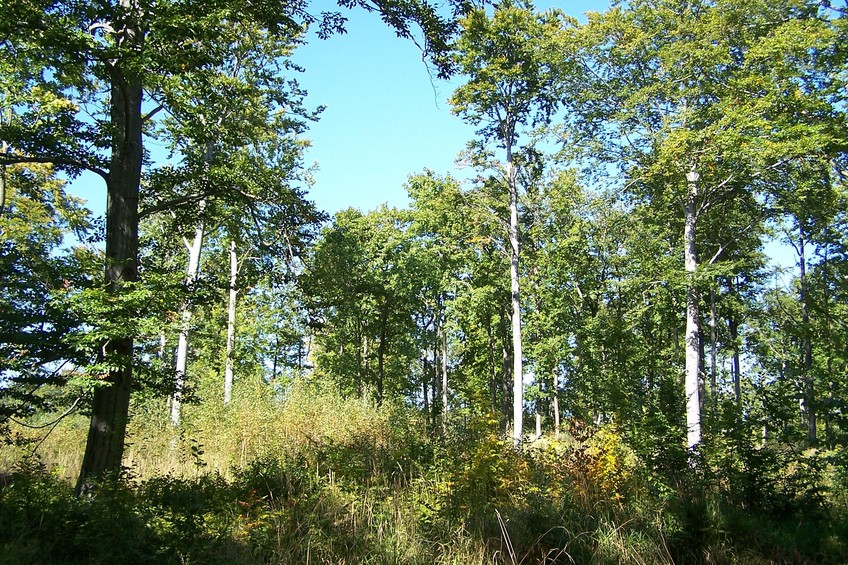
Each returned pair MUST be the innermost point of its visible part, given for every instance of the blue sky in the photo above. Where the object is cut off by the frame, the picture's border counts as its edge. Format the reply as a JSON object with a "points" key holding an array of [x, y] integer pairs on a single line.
{"points": [[386, 118]]}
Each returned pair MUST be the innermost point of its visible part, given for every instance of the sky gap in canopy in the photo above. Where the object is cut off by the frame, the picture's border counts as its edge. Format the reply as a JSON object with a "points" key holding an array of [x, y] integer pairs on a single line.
{"points": [[386, 117]]}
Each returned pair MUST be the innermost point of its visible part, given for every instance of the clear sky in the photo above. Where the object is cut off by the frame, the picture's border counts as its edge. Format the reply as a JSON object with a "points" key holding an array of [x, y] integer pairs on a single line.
{"points": [[386, 118]]}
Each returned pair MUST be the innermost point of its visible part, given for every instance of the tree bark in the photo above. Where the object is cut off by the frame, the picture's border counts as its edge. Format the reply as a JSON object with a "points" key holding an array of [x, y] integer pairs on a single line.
{"points": [[517, 366], [444, 379], [231, 326], [713, 349], [425, 370], [192, 271], [505, 371], [438, 415], [733, 328], [381, 353], [807, 345], [493, 381], [4, 148], [693, 361], [556, 403], [538, 406], [104, 447]]}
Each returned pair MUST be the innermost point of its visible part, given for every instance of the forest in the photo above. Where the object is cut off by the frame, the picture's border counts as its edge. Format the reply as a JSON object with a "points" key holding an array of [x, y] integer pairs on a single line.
{"points": [[615, 333]]}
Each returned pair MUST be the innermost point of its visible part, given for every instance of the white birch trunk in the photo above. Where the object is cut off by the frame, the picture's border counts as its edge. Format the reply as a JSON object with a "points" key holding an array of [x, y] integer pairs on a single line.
{"points": [[185, 321], [517, 366], [231, 325], [693, 360]]}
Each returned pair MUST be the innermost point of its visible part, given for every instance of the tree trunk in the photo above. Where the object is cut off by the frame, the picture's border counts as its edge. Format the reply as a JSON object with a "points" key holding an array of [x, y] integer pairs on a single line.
{"points": [[425, 369], [538, 406], [192, 271], [517, 367], [713, 349], [437, 381], [381, 353], [493, 380], [444, 378], [556, 403], [693, 361], [807, 345], [733, 327], [505, 392], [231, 326], [104, 447], [4, 149]]}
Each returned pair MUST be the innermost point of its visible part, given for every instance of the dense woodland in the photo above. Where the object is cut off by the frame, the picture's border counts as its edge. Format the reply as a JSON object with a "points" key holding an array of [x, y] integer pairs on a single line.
{"points": [[617, 332]]}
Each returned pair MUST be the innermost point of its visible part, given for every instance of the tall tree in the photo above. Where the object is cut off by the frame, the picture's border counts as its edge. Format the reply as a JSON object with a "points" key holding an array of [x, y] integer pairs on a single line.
{"points": [[512, 83]]}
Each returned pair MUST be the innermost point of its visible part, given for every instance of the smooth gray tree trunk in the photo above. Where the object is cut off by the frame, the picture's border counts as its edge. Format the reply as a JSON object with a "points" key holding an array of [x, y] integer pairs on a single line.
{"points": [[194, 249], [692, 351], [517, 354], [807, 344], [231, 325]]}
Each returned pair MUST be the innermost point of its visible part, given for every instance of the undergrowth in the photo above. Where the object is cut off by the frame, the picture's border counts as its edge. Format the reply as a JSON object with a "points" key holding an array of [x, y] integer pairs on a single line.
{"points": [[309, 477]]}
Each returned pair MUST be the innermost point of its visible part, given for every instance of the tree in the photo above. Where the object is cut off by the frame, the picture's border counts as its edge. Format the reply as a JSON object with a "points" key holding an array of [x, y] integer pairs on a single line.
{"points": [[512, 83], [683, 97]]}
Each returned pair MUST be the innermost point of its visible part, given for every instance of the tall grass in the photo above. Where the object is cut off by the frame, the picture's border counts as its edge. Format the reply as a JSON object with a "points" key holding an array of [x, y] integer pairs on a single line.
{"points": [[306, 476]]}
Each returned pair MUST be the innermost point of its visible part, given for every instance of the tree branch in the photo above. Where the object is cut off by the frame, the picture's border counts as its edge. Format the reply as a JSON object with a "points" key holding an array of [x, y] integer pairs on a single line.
{"points": [[12, 159], [168, 204]]}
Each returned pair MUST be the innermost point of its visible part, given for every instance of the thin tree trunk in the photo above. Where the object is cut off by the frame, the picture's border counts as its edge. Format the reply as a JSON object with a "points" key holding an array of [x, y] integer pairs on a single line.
{"points": [[693, 361], [360, 371], [231, 326], [505, 372], [425, 371], [437, 381], [556, 403], [381, 353], [737, 365], [733, 327], [493, 380], [713, 349], [4, 149], [163, 345], [444, 378], [807, 352], [192, 271], [538, 410], [517, 366], [831, 348], [366, 366], [104, 447]]}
